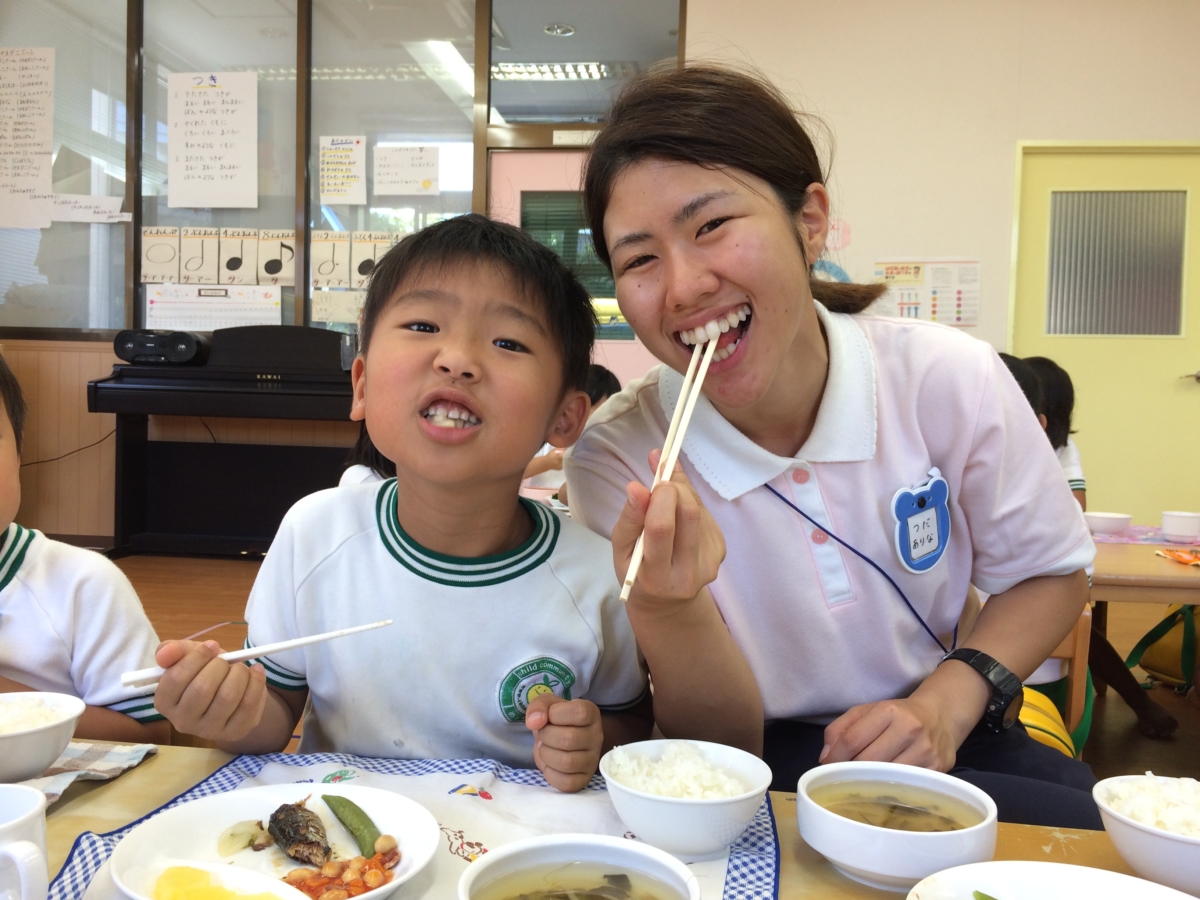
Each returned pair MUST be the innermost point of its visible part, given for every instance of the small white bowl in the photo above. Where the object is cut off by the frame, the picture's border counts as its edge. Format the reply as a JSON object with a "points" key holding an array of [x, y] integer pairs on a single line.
{"points": [[555, 849], [1181, 527], [1107, 523], [883, 857], [28, 753], [691, 829], [1154, 853]]}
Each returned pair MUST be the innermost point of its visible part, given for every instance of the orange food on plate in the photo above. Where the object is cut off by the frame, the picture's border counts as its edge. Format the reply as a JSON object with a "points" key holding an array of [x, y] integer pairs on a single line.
{"points": [[342, 879]]}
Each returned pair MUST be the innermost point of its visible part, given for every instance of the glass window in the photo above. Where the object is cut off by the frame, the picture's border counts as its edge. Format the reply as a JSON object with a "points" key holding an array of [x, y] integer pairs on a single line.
{"points": [[71, 274]]}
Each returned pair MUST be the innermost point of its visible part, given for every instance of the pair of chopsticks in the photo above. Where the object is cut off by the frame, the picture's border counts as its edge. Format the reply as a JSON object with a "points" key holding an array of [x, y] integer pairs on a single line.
{"points": [[688, 396], [145, 677]]}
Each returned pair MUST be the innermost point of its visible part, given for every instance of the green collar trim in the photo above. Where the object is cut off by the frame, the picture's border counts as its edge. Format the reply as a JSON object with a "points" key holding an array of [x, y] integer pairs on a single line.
{"points": [[464, 571], [12, 553]]}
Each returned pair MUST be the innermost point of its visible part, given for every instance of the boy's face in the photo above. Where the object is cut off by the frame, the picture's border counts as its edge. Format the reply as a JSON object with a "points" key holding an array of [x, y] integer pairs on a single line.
{"points": [[462, 382], [10, 471]]}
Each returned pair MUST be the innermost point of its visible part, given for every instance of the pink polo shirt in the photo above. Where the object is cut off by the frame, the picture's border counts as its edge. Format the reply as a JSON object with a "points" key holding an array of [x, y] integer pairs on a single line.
{"points": [[821, 629]]}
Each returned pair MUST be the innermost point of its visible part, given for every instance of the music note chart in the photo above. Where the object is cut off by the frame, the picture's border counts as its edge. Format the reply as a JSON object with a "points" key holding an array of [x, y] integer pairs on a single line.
{"points": [[160, 255], [366, 248], [277, 257], [238, 260], [198, 255], [330, 259]]}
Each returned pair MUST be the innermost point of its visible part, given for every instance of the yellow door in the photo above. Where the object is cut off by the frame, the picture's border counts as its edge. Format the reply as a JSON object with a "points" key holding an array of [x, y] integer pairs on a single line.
{"points": [[1137, 419]]}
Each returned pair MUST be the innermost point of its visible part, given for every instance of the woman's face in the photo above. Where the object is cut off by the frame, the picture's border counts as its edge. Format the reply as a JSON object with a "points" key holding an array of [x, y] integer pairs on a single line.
{"points": [[690, 246]]}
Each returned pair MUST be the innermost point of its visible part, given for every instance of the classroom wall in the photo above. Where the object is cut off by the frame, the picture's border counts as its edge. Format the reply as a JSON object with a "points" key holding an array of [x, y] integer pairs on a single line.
{"points": [[927, 100]]}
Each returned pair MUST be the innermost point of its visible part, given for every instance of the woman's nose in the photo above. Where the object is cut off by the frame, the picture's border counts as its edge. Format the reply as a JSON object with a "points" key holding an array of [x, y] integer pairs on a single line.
{"points": [[689, 280]]}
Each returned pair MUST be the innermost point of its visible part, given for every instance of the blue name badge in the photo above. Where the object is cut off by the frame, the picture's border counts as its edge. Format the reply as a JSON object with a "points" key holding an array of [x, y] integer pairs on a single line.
{"points": [[922, 523]]}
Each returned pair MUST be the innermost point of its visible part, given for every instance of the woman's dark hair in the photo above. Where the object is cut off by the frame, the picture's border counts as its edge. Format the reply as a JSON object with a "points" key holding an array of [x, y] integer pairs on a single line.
{"points": [[536, 269], [14, 401], [365, 453], [1026, 380], [1058, 398], [601, 383], [717, 118]]}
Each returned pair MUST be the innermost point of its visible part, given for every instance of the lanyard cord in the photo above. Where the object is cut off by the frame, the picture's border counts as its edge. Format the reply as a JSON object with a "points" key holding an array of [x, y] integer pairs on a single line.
{"points": [[873, 565]]}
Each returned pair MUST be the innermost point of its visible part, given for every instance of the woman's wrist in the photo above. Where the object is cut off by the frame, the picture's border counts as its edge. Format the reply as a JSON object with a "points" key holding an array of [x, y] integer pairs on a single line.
{"points": [[958, 696]]}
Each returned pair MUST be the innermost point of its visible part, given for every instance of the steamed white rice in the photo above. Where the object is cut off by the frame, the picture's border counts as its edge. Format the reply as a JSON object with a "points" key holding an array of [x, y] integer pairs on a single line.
{"points": [[1172, 804], [19, 713], [682, 772]]}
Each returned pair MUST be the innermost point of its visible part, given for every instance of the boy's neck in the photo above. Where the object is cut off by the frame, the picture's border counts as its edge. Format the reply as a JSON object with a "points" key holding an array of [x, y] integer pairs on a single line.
{"points": [[468, 521]]}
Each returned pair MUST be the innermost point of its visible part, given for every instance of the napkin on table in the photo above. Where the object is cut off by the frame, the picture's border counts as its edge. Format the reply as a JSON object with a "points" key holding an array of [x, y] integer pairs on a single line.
{"points": [[89, 761]]}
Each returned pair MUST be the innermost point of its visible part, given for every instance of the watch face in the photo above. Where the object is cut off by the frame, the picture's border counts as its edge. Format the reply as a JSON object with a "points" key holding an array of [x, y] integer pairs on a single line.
{"points": [[1014, 710]]}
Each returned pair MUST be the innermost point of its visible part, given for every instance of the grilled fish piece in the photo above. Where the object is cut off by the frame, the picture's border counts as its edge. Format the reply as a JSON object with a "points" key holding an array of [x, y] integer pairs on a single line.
{"points": [[299, 833]]}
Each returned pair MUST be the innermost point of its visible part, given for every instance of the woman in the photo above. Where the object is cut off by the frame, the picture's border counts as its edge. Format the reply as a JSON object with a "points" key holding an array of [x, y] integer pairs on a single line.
{"points": [[821, 430]]}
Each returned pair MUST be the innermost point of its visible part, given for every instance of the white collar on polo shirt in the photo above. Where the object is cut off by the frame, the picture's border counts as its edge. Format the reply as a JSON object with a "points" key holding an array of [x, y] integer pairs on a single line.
{"points": [[734, 465]]}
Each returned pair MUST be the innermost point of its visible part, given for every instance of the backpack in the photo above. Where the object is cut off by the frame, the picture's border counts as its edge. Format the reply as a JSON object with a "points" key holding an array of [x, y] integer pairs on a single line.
{"points": [[1167, 652]]}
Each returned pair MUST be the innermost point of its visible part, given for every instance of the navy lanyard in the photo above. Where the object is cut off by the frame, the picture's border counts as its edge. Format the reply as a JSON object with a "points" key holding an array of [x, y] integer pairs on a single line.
{"points": [[873, 565]]}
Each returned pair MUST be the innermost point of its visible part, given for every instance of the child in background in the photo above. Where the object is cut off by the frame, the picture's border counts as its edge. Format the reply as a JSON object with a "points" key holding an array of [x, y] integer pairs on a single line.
{"points": [[510, 639], [545, 469], [70, 621], [1104, 663]]}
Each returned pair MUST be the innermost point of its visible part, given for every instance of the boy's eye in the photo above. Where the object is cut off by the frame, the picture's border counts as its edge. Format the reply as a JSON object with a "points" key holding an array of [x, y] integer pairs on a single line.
{"points": [[423, 327], [511, 345], [712, 225]]}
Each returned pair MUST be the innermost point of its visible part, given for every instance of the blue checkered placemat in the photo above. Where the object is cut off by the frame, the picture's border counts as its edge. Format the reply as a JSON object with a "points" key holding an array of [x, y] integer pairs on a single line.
{"points": [[753, 872]]}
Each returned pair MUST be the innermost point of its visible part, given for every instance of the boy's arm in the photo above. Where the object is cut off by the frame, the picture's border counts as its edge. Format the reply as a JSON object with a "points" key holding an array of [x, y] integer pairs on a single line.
{"points": [[627, 726], [100, 724], [539, 464]]}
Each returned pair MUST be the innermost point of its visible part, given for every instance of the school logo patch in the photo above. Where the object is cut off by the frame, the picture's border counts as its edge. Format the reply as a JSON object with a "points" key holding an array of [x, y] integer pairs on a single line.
{"points": [[543, 675]]}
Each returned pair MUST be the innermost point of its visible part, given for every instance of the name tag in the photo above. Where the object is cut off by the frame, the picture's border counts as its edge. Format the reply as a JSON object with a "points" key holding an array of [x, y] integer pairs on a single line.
{"points": [[922, 523]]}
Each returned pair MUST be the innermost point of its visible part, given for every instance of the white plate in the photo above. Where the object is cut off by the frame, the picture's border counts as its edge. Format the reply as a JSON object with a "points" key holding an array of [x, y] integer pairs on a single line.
{"points": [[1018, 880], [187, 835]]}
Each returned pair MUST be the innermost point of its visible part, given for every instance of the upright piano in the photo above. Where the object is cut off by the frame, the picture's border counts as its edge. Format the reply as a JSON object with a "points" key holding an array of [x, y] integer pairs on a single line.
{"points": [[226, 499]]}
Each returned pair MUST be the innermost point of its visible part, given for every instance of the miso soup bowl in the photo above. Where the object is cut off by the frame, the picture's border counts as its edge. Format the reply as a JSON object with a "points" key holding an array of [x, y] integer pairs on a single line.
{"points": [[882, 857], [558, 849]]}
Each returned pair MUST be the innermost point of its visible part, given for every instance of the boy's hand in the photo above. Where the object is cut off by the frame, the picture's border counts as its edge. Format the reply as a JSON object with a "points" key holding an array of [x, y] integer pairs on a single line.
{"points": [[206, 696], [682, 547], [567, 740]]}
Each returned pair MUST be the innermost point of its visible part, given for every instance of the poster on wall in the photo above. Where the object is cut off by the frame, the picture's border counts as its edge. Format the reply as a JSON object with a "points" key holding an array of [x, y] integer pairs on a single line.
{"points": [[179, 307], [342, 167], [330, 259], [198, 255], [212, 140], [238, 259], [406, 171], [26, 136], [277, 257], [944, 291], [343, 307], [160, 254]]}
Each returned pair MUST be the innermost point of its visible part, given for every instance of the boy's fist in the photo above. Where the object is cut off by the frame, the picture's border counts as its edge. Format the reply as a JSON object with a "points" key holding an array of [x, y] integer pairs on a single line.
{"points": [[203, 695], [567, 740]]}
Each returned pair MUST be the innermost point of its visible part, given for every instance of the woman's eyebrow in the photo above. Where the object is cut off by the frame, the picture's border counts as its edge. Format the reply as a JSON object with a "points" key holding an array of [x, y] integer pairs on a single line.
{"points": [[696, 204]]}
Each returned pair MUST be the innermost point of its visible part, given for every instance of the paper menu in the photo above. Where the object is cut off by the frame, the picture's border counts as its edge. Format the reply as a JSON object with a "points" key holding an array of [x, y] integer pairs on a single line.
{"points": [[329, 258], [237, 262], [366, 248], [406, 171], [342, 167], [338, 306], [160, 254], [26, 136], [277, 257], [212, 139], [179, 307], [198, 255]]}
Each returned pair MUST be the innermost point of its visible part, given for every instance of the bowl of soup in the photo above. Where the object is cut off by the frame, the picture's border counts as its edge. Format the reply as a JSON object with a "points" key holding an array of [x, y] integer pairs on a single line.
{"points": [[889, 825], [580, 866]]}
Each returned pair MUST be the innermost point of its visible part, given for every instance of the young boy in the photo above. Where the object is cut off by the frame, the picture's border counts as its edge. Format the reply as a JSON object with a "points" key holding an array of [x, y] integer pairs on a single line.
{"points": [[70, 621], [509, 640]]}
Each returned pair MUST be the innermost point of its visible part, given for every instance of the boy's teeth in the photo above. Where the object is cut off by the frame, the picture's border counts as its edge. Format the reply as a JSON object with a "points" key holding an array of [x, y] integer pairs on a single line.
{"points": [[450, 417], [711, 331]]}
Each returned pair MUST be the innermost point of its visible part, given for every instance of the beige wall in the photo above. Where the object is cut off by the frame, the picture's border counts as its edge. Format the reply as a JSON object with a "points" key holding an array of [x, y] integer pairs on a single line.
{"points": [[928, 98]]}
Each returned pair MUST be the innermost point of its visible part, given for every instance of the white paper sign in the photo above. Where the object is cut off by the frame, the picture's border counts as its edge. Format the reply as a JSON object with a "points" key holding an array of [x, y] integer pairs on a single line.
{"points": [[338, 306], [238, 258], [85, 208], [177, 307], [945, 291], [160, 255], [343, 169], [330, 259], [277, 257], [26, 136], [366, 248], [212, 139], [198, 255], [406, 171]]}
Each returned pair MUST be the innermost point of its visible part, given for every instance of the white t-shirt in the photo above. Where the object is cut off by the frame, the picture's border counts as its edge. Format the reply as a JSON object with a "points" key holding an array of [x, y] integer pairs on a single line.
{"points": [[473, 639], [359, 475], [820, 628], [551, 478], [1072, 466], [71, 623]]}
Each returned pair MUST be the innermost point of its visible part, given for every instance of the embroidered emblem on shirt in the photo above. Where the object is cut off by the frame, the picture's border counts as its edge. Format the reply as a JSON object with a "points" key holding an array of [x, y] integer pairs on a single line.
{"points": [[922, 523], [543, 675]]}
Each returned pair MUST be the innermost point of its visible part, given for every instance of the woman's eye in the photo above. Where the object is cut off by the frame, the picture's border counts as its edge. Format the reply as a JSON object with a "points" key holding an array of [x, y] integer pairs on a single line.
{"points": [[712, 225], [423, 327], [636, 262], [508, 344]]}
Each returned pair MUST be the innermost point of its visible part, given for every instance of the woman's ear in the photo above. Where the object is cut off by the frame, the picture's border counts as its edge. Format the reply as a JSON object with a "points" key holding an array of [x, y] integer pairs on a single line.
{"points": [[358, 378], [570, 419], [812, 222]]}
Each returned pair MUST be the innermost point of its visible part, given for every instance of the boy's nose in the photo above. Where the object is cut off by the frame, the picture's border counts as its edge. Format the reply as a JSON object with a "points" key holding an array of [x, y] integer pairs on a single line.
{"points": [[457, 364]]}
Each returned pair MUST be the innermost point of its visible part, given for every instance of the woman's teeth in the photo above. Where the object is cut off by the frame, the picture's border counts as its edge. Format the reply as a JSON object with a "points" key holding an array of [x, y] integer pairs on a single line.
{"points": [[443, 416], [711, 331]]}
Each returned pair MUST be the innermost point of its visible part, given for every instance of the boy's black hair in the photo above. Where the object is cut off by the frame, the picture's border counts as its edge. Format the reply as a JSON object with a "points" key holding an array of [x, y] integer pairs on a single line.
{"points": [[14, 401], [1027, 379], [365, 453], [601, 383], [536, 269], [1058, 398]]}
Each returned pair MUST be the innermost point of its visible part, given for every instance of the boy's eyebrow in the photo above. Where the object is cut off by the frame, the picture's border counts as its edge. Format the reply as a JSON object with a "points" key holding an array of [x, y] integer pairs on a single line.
{"points": [[425, 294], [684, 213], [512, 311]]}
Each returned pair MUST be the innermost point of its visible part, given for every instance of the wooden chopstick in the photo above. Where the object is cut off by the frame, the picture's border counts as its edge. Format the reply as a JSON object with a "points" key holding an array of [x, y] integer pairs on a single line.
{"points": [[143, 677], [688, 396]]}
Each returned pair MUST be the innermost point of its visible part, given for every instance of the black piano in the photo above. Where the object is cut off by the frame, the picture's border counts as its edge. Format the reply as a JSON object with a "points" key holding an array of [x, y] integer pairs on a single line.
{"points": [[226, 499]]}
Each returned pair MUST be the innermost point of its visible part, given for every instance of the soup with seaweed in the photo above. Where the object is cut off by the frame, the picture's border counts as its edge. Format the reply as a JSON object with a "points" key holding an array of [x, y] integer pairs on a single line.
{"points": [[576, 881], [903, 807]]}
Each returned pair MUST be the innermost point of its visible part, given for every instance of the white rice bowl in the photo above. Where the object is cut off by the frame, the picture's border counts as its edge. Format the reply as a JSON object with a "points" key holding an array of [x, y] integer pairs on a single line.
{"points": [[681, 771], [1172, 804], [21, 712], [1154, 823]]}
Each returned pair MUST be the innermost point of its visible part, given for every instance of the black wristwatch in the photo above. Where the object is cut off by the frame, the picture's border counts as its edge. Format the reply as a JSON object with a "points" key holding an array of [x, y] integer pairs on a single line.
{"points": [[1007, 696]]}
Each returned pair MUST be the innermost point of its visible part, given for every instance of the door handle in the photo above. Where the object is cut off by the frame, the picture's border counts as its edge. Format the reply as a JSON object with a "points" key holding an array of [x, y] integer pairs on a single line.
{"points": [[1195, 375]]}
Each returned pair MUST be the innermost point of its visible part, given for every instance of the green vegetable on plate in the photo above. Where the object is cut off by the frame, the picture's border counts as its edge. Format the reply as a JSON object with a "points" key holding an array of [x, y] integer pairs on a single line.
{"points": [[357, 822], [980, 895]]}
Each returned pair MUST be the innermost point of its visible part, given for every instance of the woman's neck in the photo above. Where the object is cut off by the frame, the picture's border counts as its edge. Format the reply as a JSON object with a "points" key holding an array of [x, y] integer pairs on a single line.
{"points": [[462, 520]]}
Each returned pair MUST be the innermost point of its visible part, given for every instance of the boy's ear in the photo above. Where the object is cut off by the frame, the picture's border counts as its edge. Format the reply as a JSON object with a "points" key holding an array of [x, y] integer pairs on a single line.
{"points": [[568, 422], [358, 378]]}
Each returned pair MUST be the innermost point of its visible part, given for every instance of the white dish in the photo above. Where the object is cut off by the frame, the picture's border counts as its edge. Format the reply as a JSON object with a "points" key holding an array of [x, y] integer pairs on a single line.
{"points": [[1106, 523], [1021, 880], [187, 835], [29, 752], [691, 829], [1181, 527], [1154, 853]]}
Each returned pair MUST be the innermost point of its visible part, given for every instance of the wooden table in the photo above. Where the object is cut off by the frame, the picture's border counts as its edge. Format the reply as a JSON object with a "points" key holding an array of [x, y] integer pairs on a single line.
{"points": [[1131, 573], [804, 875]]}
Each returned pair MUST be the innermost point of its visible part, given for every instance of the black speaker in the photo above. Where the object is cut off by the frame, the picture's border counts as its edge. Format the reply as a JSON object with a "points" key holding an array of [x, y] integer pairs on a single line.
{"points": [[169, 348]]}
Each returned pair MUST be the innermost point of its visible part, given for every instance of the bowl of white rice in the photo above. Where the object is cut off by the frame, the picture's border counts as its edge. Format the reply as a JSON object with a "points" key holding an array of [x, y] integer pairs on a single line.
{"points": [[690, 798], [35, 727], [1154, 822]]}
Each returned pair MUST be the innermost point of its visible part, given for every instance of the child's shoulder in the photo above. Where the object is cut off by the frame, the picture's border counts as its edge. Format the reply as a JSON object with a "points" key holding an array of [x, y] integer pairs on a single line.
{"points": [[582, 560], [336, 509], [61, 574]]}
